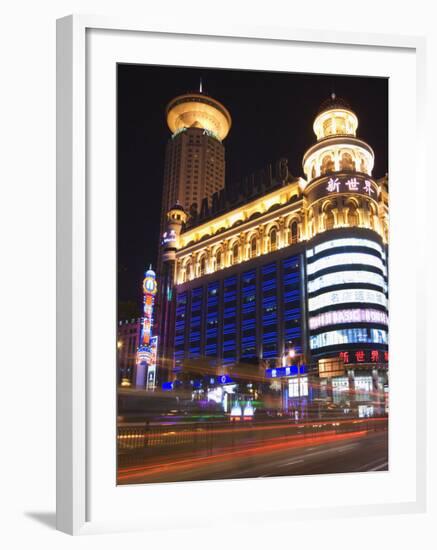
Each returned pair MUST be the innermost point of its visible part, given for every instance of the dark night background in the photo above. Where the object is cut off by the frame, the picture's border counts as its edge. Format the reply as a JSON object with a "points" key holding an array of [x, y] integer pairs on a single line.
{"points": [[272, 117]]}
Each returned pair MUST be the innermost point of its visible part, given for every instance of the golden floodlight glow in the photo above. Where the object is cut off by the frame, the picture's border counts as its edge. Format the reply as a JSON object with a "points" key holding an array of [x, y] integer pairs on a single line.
{"points": [[196, 110], [335, 122], [242, 213]]}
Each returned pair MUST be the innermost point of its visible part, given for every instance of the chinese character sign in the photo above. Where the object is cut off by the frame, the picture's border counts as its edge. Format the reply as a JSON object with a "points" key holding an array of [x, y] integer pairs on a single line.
{"points": [[364, 356], [333, 185], [354, 184]]}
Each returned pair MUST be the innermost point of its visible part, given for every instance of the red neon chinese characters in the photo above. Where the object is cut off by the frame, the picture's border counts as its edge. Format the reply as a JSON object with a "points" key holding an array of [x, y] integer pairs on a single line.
{"points": [[360, 356], [344, 356], [374, 356]]}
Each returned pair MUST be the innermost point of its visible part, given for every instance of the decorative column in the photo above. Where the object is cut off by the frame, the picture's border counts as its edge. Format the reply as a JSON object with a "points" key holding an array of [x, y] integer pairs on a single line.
{"points": [[242, 247], [282, 233], [209, 268], [261, 239], [226, 262]]}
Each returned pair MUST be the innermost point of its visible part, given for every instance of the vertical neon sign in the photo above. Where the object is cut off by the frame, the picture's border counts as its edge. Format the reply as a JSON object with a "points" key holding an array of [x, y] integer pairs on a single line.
{"points": [[146, 353], [149, 292]]}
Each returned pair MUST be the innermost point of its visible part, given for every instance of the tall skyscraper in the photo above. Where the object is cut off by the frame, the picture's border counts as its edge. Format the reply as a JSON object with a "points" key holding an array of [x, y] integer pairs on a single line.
{"points": [[194, 167], [195, 155]]}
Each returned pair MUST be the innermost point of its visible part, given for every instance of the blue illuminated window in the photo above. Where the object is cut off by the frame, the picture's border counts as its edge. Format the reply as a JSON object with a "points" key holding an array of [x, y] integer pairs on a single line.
{"points": [[229, 319], [248, 315], [195, 323], [269, 311], [291, 303], [212, 319], [180, 324]]}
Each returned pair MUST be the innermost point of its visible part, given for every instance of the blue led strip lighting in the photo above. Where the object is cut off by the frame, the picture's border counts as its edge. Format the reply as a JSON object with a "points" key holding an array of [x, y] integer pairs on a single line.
{"points": [[181, 315], [212, 319], [248, 315], [291, 303], [269, 311], [229, 319], [195, 322]]}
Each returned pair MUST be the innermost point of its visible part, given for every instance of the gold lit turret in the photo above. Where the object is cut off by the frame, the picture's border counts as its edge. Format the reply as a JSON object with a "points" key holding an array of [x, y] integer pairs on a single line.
{"points": [[337, 149], [335, 118], [197, 110]]}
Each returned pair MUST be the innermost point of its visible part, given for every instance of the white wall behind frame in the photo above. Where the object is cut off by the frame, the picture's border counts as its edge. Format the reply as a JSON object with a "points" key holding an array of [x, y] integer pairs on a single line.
{"points": [[27, 227]]}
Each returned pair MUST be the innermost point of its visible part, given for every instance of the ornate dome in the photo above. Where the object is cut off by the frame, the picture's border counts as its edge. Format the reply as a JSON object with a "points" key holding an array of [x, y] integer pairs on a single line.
{"points": [[178, 206], [335, 118], [334, 102]]}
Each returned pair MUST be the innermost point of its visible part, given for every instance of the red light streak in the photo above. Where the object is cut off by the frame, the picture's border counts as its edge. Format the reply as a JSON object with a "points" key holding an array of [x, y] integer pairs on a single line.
{"points": [[269, 446]]}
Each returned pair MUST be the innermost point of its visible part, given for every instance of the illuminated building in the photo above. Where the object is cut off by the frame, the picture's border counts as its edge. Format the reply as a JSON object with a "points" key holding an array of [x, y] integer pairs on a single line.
{"points": [[194, 166], [128, 339], [292, 274], [145, 375]]}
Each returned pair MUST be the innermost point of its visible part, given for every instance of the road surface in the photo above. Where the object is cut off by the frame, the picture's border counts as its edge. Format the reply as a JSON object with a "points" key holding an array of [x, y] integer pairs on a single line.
{"points": [[358, 451]]}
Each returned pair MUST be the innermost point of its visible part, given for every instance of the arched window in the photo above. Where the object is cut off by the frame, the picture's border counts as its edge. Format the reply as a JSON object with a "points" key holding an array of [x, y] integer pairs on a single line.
{"points": [[273, 239], [188, 271], [329, 220], [294, 232], [202, 266], [327, 165], [352, 216], [235, 253], [327, 127], [218, 260], [346, 162], [253, 247], [340, 126]]}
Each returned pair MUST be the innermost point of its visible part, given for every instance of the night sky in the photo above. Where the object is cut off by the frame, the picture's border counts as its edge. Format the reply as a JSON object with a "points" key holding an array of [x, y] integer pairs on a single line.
{"points": [[272, 117]]}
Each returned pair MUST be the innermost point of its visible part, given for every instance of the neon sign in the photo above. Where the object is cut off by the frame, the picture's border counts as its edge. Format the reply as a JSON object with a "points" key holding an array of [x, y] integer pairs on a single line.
{"points": [[348, 316], [349, 336], [147, 350], [169, 237], [151, 362], [281, 372], [149, 292], [352, 184], [363, 356], [355, 295]]}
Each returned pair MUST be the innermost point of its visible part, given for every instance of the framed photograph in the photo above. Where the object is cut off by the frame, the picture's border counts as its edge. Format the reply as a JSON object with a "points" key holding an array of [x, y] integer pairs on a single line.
{"points": [[240, 322]]}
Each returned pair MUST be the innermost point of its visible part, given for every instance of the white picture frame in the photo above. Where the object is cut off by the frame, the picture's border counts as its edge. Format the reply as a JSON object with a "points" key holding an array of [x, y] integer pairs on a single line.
{"points": [[76, 278]]}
